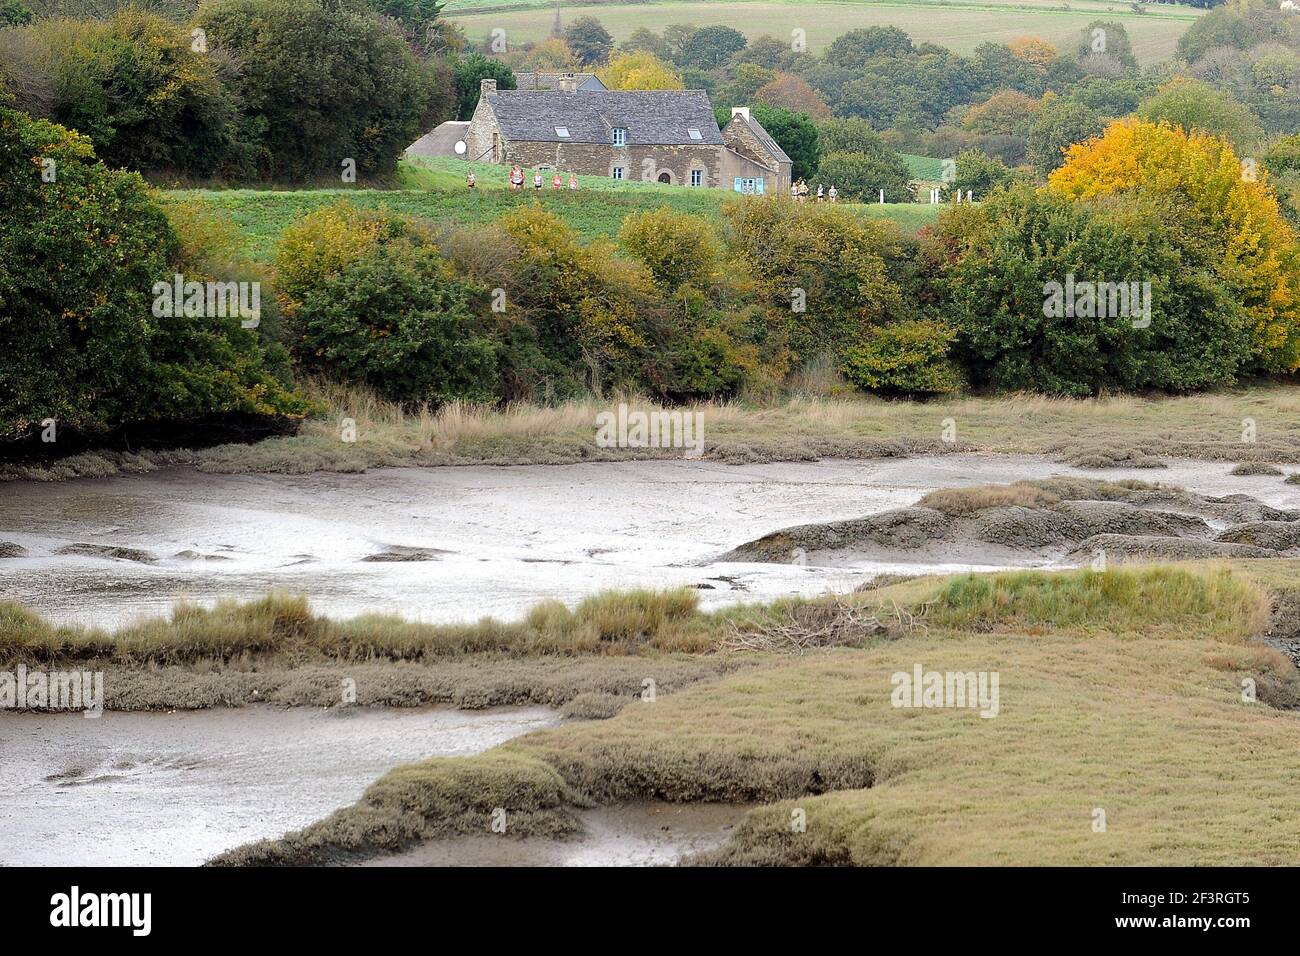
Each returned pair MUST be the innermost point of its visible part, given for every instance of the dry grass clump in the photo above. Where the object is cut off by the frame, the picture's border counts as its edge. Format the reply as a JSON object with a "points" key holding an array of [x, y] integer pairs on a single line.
{"points": [[594, 706], [1255, 468], [1034, 493], [1111, 431], [835, 623], [880, 784]]}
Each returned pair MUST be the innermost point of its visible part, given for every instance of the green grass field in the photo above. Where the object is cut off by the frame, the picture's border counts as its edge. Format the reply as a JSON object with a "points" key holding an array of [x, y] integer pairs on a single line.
{"points": [[960, 26], [435, 189]]}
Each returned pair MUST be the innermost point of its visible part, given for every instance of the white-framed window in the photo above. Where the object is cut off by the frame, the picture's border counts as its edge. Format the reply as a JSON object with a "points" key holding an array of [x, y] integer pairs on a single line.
{"points": [[618, 137], [618, 172], [694, 133], [697, 177], [562, 132]]}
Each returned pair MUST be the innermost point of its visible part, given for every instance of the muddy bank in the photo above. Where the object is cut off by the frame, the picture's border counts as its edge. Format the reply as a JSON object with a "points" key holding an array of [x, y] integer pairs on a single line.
{"points": [[1057, 520], [472, 683], [641, 834], [445, 545], [176, 789]]}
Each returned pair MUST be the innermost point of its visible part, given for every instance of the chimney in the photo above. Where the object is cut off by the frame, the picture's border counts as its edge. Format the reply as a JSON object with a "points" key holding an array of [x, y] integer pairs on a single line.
{"points": [[740, 110], [487, 86], [568, 83]]}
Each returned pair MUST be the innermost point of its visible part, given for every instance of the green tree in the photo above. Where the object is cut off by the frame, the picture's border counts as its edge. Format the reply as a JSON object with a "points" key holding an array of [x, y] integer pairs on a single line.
{"points": [[710, 47], [795, 133], [320, 87], [852, 49], [81, 249], [859, 177], [1060, 124], [1106, 38], [469, 71], [1197, 106], [1019, 285], [589, 40]]}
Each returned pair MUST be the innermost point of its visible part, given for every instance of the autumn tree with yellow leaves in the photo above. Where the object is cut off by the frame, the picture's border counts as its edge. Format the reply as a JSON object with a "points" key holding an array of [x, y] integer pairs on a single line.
{"points": [[1218, 209]]}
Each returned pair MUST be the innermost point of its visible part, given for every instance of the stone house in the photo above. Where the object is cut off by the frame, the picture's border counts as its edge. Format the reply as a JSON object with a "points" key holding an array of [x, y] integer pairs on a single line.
{"points": [[667, 136]]}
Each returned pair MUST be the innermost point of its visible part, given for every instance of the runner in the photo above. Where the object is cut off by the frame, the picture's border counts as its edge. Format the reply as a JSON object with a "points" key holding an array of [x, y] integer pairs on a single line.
{"points": [[469, 179], [833, 194], [537, 179], [803, 190], [794, 190], [820, 193], [558, 181], [573, 181], [516, 177]]}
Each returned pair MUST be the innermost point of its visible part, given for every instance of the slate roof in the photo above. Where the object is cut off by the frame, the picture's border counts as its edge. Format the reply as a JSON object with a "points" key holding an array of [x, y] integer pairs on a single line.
{"points": [[551, 81], [765, 138], [440, 141], [651, 117]]}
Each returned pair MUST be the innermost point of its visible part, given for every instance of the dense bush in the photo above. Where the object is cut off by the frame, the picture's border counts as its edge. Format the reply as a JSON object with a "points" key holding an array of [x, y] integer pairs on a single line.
{"points": [[370, 301], [319, 85], [1017, 266], [676, 248], [820, 272], [81, 248], [976, 175], [911, 357]]}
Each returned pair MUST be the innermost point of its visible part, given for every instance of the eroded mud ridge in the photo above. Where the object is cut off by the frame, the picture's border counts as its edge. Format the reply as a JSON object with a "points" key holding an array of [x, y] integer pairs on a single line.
{"points": [[1059, 519]]}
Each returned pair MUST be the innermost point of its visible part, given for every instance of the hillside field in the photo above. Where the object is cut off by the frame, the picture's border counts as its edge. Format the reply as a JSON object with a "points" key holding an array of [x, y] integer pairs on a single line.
{"points": [[960, 26]]}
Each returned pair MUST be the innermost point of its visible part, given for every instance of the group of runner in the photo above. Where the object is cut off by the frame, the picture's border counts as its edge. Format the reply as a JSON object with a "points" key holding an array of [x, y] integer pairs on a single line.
{"points": [[799, 192], [517, 179]]}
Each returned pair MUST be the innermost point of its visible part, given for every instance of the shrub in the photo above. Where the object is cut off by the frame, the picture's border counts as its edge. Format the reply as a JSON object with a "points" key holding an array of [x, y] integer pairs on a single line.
{"points": [[1002, 259], [819, 271], [388, 314], [14, 13], [79, 257], [909, 357], [675, 247]]}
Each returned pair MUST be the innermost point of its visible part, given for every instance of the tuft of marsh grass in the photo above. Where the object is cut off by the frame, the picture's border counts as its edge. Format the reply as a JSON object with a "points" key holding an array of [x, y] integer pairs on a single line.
{"points": [[619, 622], [1152, 602]]}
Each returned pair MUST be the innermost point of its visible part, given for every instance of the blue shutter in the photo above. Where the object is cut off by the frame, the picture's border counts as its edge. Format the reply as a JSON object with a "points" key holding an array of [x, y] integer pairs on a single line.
{"points": [[740, 185], [758, 186]]}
